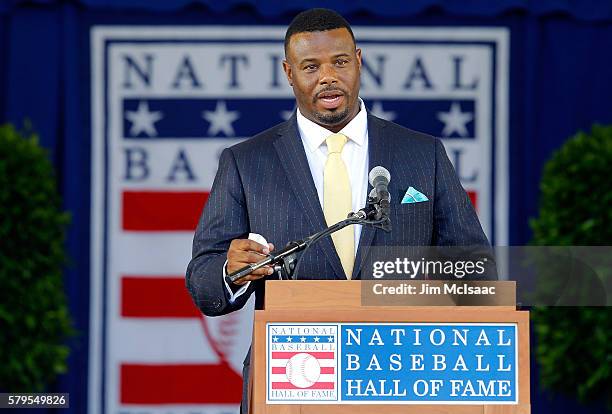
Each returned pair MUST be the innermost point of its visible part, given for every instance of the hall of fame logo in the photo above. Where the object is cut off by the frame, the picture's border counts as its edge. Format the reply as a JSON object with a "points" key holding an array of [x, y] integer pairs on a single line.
{"points": [[165, 102], [302, 362]]}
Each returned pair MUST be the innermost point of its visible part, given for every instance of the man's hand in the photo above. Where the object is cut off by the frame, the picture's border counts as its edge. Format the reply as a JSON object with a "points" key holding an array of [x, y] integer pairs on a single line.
{"points": [[243, 252]]}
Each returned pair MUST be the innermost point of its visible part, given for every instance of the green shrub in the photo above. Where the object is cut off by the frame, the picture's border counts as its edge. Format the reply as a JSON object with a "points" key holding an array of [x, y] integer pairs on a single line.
{"points": [[34, 318], [573, 345]]}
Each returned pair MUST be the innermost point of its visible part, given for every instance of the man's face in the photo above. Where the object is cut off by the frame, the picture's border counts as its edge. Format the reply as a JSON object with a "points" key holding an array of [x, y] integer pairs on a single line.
{"points": [[323, 68]]}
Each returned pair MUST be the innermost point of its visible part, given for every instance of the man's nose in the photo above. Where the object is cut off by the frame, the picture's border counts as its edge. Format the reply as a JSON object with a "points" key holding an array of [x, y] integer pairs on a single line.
{"points": [[328, 75]]}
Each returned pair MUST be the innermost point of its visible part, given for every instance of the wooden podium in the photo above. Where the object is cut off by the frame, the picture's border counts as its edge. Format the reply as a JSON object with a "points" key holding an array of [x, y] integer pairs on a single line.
{"points": [[341, 301]]}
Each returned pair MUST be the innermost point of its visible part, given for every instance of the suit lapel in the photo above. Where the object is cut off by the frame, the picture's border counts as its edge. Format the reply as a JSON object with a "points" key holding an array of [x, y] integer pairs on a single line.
{"points": [[379, 153], [290, 151]]}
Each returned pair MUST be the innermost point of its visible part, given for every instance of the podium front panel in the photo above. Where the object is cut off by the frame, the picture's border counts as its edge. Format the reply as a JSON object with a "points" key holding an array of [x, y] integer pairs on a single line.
{"points": [[314, 375]]}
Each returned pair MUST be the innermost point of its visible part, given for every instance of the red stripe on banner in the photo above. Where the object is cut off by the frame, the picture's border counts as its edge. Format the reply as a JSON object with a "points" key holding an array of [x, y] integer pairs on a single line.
{"points": [[180, 384], [162, 210], [287, 355], [156, 297], [282, 370], [473, 195], [315, 386]]}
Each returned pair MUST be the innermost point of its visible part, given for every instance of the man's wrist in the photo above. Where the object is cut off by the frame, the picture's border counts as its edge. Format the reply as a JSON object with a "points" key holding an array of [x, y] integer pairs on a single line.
{"points": [[233, 289], [232, 285]]}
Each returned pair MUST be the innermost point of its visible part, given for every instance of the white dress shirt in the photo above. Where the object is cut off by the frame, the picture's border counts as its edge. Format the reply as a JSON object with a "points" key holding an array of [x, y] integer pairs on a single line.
{"points": [[354, 154]]}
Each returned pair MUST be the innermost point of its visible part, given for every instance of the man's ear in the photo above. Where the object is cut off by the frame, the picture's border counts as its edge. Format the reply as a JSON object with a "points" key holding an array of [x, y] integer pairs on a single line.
{"points": [[358, 54], [288, 72]]}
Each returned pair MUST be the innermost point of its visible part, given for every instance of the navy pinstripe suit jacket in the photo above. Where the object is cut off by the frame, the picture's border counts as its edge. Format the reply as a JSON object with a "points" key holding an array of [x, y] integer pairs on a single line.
{"points": [[264, 186]]}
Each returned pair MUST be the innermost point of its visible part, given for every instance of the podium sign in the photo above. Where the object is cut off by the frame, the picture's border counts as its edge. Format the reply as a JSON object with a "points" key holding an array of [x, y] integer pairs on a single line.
{"points": [[398, 363], [317, 349]]}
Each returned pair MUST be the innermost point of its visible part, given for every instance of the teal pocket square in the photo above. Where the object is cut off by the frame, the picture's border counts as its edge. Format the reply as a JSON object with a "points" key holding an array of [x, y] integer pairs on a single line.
{"points": [[413, 196]]}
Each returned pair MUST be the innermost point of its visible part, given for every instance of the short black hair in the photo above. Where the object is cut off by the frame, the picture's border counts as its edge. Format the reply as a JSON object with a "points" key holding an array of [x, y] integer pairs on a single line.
{"points": [[316, 20]]}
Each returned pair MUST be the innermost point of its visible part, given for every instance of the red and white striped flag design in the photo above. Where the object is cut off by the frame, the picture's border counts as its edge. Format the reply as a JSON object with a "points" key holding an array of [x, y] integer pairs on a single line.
{"points": [[170, 353], [302, 362], [325, 380]]}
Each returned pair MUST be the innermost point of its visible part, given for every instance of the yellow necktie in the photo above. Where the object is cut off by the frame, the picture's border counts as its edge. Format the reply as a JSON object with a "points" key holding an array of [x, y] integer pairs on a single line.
{"points": [[337, 201]]}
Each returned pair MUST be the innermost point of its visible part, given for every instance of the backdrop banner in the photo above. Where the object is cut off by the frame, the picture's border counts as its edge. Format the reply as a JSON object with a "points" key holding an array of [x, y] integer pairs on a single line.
{"points": [[165, 102]]}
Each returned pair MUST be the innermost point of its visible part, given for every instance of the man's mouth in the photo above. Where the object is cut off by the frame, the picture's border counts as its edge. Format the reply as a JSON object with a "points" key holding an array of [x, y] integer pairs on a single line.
{"points": [[331, 99]]}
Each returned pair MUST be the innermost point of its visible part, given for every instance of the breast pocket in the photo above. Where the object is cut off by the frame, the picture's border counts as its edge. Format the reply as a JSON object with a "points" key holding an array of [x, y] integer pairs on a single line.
{"points": [[411, 224]]}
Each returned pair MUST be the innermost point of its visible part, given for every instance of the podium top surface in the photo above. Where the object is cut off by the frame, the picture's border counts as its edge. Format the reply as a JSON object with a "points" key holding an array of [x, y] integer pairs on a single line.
{"points": [[394, 294]]}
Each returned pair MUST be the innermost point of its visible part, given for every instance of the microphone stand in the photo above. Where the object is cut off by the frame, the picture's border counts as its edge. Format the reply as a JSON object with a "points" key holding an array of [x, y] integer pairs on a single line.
{"points": [[285, 259]]}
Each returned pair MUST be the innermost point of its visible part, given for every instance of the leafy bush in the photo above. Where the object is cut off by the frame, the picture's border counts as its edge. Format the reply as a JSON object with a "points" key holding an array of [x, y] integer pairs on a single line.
{"points": [[574, 348], [34, 317], [576, 193]]}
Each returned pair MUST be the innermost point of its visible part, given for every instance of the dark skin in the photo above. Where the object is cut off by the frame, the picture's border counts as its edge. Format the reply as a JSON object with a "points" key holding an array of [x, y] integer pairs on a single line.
{"points": [[323, 68]]}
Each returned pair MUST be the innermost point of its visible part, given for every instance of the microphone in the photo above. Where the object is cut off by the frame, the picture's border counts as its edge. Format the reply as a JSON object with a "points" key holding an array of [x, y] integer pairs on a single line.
{"points": [[374, 211], [371, 211], [379, 179], [373, 197]]}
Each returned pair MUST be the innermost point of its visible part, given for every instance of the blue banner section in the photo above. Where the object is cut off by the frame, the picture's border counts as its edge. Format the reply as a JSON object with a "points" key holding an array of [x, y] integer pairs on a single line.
{"points": [[443, 118], [429, 363], [202, 118], [217, 118], [309, 339]]}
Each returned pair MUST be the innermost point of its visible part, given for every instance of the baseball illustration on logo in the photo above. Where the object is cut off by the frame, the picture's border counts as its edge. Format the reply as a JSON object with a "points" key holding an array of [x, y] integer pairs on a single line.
{"points": [[303, 370]]}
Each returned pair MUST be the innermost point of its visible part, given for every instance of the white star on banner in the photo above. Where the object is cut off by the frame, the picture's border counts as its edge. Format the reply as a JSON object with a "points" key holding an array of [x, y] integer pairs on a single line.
{"points": [[455, 120], [221, 120], [289, 339], [143, 120], [377, 110], [287, 114], [316, 339], [303, 339]]}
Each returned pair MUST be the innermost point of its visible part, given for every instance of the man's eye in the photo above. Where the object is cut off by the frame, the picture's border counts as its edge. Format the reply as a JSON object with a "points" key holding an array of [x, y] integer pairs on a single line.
{"points": [[310, 68], [341, 62]]}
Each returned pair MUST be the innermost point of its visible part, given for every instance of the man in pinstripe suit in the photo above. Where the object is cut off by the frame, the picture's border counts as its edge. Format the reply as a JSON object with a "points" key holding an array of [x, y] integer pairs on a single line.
{"points": [[273, 184]]}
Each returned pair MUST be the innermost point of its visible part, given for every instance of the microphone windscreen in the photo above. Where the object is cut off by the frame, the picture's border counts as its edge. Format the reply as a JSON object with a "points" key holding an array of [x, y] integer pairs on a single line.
{"points": [[377, 173]]}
